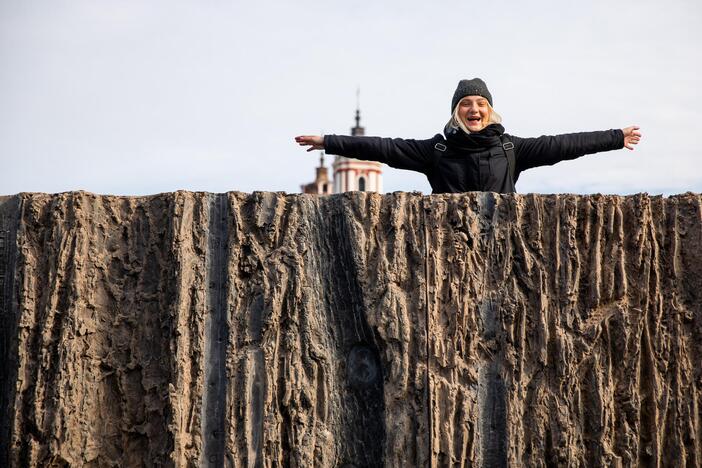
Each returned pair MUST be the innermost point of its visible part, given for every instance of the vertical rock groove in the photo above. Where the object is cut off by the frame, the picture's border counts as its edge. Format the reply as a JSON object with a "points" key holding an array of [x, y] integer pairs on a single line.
{"points": [[216, 335], [270, 330], [9, 219], [491, 388], [364, 400], [427, 327]]}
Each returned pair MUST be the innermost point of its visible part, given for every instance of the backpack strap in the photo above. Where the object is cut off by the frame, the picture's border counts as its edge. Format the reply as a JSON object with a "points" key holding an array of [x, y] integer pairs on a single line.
{"points": [[439, 149], [508, 148]]}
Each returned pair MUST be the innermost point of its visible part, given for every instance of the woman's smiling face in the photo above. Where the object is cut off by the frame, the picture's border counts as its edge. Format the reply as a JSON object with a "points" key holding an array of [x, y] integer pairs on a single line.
{"points": [[475, 112]]}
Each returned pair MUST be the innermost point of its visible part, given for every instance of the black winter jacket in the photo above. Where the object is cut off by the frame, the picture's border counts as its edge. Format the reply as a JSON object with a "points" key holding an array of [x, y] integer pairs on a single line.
{"points": [[473, 166]]}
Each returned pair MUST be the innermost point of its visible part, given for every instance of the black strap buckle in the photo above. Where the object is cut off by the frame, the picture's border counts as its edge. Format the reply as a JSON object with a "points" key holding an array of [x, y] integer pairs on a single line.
{"points": [[508, 146], [440, 146]]}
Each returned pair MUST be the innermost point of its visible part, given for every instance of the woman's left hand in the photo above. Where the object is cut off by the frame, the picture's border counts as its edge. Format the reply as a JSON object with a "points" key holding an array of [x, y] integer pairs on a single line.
{"points": [[632, 135]]}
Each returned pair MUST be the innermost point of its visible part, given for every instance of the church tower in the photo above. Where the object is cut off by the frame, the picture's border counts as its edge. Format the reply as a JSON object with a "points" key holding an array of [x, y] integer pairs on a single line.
{"points": [[321, 184], [354, 175]]}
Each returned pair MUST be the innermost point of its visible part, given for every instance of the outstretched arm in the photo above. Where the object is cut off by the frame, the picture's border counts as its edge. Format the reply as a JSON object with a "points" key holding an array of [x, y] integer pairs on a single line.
{"points": [[548, 150], [415, 155]]}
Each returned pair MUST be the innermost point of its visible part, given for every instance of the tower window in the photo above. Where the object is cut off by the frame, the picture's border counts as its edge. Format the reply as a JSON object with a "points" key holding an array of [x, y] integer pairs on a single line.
{"points": [[362, 184]]}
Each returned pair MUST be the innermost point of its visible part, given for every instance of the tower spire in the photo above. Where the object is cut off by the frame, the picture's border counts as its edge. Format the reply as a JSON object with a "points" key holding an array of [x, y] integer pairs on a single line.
{"points": [[358, 106], [321, 153], [358, 130]]}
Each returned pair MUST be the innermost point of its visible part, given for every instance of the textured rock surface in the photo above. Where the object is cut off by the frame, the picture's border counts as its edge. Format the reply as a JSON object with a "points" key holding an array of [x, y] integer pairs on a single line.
{"points": [[286, 330]]}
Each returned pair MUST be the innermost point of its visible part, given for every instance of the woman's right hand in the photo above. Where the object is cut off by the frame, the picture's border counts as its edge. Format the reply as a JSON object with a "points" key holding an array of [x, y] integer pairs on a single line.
{"points": [[315, 142]]}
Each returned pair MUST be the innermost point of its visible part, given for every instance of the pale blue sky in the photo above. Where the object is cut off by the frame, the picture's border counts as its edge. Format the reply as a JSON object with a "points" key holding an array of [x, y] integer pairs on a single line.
{"points": [[139, 97]]}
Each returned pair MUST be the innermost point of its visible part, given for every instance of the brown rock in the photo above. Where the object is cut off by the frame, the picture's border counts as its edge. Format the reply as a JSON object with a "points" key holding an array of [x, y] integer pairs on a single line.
{"points": [[291, 330]]}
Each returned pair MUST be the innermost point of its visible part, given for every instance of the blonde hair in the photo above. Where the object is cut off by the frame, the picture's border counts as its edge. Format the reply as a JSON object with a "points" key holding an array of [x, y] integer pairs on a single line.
{"points": [[456, 122]]}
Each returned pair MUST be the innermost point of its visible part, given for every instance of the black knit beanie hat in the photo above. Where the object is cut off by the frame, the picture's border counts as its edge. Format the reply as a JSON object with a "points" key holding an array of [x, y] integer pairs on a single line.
{"points": [[474, 87]]}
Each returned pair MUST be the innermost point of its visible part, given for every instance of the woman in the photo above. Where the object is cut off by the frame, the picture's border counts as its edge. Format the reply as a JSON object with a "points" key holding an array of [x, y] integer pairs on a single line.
{"points": [[475, 153]]}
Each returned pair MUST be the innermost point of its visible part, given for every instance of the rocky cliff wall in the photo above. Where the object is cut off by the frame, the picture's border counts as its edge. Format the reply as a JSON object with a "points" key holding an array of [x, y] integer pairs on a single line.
{"points": [[352, 330]]}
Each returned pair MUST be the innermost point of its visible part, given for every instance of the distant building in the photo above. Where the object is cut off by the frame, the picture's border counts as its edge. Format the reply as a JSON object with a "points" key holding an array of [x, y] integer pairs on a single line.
{"points": [[321, 184], [349, 174]]}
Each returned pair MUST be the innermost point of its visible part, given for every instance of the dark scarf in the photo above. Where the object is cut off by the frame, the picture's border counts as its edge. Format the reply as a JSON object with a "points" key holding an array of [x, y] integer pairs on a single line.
{"points": [[474, 142]]}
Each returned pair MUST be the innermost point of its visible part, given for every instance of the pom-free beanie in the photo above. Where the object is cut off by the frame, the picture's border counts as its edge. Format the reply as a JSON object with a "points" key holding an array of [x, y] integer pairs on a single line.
{"points": [[474, 87]]}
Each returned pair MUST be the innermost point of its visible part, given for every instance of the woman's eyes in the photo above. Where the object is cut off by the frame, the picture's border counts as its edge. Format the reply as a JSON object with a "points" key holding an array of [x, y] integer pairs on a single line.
{"points": [[468, 104]]}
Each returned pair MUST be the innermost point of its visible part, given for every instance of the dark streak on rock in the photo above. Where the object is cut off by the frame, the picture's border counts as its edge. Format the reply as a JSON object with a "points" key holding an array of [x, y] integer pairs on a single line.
{"points": [[9, 221], [364, 404], [216, 334]]}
